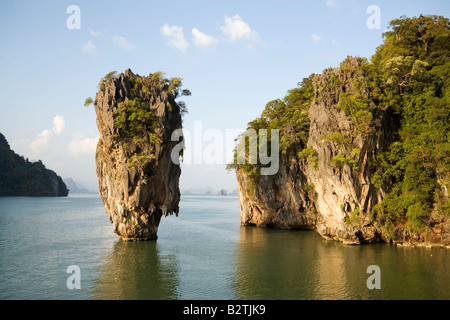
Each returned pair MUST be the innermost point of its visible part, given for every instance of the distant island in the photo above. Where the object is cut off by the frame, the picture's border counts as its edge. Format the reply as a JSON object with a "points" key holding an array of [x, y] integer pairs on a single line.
{"points": [[20, 177], [209, 192], [222, 193], [75, 187]]}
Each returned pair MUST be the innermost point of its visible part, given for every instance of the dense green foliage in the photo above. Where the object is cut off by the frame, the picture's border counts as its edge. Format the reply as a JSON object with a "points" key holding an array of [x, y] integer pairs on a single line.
{"points": [[20, 177], [133, 118], [155, 83], [410, 74], [290, 116], [408, 79], [135, 123]]}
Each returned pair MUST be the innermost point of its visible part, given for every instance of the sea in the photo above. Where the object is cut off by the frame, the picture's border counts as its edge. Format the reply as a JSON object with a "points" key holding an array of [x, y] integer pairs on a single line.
{"points": [[65, 249]]}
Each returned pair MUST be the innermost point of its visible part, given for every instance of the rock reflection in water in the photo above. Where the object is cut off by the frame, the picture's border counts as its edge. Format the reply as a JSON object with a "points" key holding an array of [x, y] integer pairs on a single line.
{"points": [[137, 270], [205, 255], [287, 265]]}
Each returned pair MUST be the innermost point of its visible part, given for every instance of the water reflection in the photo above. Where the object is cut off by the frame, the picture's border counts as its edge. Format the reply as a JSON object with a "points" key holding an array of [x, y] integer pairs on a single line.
{"points": [[284, 265], [270, 265], [204, 254], [137, 270]]}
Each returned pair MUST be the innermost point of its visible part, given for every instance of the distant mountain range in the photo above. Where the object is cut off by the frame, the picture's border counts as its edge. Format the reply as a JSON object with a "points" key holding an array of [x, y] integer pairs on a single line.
{"points": [[209, 191], [75, 187]]}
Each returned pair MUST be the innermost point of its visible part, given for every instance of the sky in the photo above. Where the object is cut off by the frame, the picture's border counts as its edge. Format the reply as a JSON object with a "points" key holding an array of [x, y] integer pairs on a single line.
{"points": [[234, 56]]}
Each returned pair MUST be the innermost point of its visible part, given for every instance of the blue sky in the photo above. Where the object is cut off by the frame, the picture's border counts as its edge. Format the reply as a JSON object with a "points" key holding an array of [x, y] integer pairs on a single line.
{"points": [[234, 56]]}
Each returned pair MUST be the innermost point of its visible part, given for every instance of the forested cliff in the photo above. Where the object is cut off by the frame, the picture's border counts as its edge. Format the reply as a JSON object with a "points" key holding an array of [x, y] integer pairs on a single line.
{"points": [[364, 147], [20, 177]]}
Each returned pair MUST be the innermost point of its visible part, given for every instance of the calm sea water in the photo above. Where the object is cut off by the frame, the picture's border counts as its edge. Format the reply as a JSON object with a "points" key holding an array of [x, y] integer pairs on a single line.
{"points": [[202, 254]]}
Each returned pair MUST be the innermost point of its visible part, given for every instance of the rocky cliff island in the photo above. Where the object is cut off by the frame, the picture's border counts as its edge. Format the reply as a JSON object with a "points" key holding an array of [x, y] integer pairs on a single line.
{"points": [[364, 148], [138, 181], [21, 177]]}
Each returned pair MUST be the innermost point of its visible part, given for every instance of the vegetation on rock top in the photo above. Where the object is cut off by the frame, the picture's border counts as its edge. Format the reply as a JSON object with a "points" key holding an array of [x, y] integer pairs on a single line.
{"points": [[136, 125]]}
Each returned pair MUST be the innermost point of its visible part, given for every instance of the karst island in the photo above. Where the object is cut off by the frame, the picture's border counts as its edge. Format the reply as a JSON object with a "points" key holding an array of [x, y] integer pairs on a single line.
{"points": [[364, 147], [138, 181]]}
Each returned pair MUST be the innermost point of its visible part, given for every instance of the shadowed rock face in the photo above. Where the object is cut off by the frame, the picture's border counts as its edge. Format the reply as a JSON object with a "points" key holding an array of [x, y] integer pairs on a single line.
{"points": [[21, 177], [138, 182]]}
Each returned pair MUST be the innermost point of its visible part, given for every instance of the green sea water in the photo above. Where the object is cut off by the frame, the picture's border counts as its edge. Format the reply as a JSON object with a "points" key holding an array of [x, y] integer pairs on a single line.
{"points": [[203, 253]]}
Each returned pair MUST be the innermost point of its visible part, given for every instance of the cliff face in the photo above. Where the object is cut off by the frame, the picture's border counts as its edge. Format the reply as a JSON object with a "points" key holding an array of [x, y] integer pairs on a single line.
{"points": [[20, 177], [322, 195], [343, 187], [283, 202], [330, 190], [138, 182]]}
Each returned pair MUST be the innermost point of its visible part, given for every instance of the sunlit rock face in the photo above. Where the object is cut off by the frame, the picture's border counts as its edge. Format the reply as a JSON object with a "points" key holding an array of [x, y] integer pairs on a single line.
{"points": [[324, 195], [343, 189]]}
